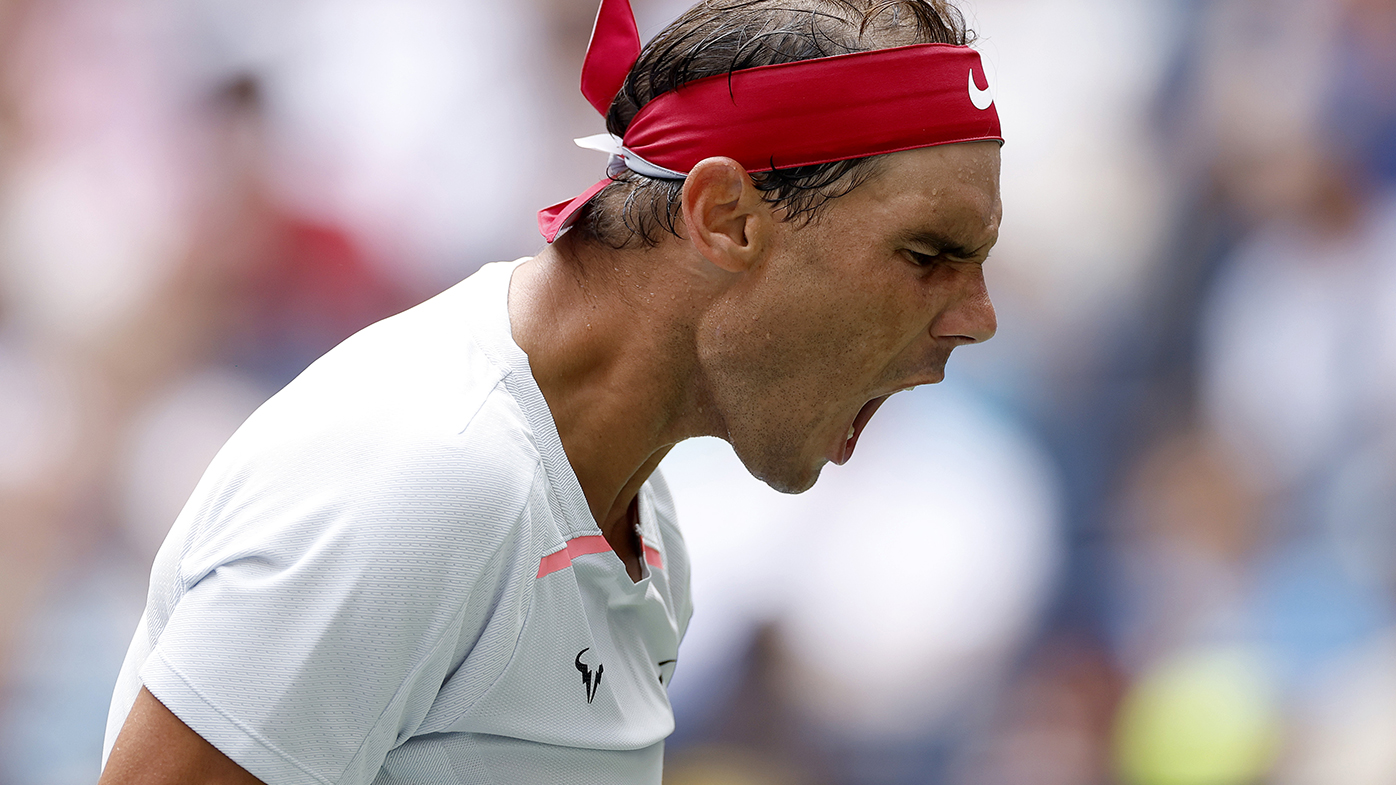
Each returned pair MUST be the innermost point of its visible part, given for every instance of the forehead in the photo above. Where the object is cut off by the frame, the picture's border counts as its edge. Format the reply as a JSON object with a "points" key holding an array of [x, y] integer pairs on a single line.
{"points": [[950, 191]]}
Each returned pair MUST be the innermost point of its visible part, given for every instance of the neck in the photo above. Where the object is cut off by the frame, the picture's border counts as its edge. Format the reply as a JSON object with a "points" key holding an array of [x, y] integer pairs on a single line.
{"points": [[609, 338]]}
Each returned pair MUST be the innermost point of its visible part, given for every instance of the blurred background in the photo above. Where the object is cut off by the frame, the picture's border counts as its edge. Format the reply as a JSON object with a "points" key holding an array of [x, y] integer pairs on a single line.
{"points": [[1147, 535]]}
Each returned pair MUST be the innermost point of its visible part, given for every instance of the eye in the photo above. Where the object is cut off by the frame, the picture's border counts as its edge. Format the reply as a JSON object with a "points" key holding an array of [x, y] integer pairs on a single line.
{"points": [[923, 259]]}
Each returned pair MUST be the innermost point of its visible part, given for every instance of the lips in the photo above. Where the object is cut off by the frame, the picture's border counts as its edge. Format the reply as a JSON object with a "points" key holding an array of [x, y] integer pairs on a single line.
{"points": [[845, 450]]}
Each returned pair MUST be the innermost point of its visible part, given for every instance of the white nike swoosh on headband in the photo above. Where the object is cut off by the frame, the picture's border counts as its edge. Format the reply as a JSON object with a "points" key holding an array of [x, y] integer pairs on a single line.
{"points": [[982, 99]]}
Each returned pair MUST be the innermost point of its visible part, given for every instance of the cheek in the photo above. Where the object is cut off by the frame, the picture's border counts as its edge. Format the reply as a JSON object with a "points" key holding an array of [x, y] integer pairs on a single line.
{"points": [[887, 315], [825, 338], [822, 320]]}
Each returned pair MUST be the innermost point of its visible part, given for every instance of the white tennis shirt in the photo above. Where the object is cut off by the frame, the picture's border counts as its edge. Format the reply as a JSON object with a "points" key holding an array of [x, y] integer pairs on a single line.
{"points": [[390, 574]]}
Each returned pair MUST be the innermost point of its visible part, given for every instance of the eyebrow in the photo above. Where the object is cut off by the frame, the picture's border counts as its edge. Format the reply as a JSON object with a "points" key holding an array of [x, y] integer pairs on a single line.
{"points": [[942, 243]]}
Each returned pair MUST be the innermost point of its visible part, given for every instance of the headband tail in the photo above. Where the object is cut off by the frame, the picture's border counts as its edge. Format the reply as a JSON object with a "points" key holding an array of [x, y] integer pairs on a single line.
{"points": [[614, 48]]}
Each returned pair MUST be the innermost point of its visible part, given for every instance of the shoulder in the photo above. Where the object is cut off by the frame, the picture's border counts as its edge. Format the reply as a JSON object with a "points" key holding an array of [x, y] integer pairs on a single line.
{"points": [[404, 428]]}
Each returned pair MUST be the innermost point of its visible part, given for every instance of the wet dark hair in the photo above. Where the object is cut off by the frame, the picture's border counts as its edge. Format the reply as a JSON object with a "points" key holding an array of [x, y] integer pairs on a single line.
{"points": [[721, 36]]}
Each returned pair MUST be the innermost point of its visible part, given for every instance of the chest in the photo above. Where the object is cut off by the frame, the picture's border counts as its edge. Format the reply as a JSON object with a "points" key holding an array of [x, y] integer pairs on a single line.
{"points": [[579, 657]]}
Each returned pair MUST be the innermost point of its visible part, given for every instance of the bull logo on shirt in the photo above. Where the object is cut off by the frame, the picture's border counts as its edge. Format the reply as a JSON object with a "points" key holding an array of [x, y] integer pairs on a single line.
{"points": [[590, 680]]}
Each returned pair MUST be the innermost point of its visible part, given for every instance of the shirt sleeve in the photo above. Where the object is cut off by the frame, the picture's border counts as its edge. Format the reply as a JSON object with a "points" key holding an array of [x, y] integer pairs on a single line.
{"points": [[324, 600]]}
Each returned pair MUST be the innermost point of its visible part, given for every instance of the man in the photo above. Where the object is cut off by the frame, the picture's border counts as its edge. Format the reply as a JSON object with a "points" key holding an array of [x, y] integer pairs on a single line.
{"points": [[443, 553]]}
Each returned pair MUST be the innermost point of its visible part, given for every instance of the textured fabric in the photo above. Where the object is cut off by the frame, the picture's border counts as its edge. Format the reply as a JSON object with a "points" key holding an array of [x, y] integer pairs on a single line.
{"points": [[353, 594]]}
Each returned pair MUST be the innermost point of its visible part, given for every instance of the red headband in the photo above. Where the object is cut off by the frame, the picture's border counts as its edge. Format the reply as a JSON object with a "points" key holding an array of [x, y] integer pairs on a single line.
{"points": [[790, 114]]}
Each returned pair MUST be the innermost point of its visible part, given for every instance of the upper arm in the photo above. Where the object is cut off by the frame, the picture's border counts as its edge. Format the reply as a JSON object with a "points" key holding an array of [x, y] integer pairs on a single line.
{"points": [[156, 748]]}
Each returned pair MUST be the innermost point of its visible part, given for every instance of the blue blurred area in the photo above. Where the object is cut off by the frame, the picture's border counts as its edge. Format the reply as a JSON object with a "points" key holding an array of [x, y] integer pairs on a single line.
{"points": [[1145, 535]]}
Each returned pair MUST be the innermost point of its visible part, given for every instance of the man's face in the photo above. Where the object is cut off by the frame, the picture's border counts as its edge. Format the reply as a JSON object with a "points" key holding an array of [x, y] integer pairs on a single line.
{"points": [[867, 300]]}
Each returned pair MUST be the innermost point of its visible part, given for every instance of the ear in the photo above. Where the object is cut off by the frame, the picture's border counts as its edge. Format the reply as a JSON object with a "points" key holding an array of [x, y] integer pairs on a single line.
{"points": [[727, 220]]}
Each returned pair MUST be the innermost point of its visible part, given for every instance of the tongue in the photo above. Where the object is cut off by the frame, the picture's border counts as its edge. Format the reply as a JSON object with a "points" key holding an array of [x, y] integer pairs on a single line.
{"points": [[864, 415]]}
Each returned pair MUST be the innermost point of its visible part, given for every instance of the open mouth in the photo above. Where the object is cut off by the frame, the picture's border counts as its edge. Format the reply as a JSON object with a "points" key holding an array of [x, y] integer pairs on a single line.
{"points": [[856, 429]]}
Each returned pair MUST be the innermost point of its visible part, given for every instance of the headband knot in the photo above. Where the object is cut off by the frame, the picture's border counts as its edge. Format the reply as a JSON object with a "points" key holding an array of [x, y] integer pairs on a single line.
{"points": [[611, 53]]}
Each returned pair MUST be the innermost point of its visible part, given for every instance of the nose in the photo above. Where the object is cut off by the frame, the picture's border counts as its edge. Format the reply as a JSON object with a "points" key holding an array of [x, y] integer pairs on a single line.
{"points": [[970, 316]]}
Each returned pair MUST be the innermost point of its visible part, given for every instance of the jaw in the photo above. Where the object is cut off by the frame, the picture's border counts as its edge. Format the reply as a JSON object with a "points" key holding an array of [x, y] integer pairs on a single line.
{"points": [[785, 470], [781, 455], [789, 458]]}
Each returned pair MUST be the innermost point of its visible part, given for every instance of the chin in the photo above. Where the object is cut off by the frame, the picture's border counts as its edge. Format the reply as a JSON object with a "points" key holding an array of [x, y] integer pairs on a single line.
{"points": [[785, 477], [773, 453]]}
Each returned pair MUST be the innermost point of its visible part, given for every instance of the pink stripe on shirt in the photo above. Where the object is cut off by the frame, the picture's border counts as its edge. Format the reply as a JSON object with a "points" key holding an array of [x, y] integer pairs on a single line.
{"points": [[592, 543]]}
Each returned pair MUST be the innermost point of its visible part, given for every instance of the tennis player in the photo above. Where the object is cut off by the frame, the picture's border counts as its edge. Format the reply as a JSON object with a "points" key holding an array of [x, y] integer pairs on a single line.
{"points": [[444, 553]]}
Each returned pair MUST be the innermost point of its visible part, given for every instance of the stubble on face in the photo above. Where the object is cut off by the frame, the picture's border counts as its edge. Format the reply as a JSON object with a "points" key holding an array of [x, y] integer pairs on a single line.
{"points": [[838, 315], [794, 392], [773, 407]]}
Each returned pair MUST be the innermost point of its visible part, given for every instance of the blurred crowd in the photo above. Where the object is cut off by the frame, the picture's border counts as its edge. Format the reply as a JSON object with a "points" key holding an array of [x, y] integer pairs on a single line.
{"points": [[1146, 536]]}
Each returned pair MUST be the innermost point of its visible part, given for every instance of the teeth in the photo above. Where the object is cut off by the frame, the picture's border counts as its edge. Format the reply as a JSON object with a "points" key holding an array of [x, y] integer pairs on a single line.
{"points": [[850, 433]]}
